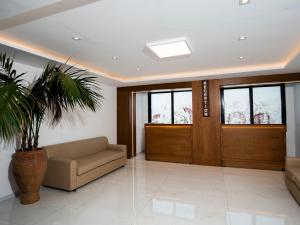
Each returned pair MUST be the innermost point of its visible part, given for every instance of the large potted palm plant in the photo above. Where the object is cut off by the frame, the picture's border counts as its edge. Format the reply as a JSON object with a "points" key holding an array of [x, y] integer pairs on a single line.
{"points": [[25, 105]]}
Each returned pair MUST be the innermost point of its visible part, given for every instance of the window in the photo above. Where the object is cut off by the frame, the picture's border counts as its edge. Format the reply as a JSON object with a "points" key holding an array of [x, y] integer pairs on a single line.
{"points": [[183, 107], [161, 108], [267, 105], [237, 106], [173, 107], [253, 105]]}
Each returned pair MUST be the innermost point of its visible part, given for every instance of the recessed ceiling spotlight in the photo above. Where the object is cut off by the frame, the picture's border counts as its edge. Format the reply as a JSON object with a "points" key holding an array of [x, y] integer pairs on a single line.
{"points": [[170, 48], [76, 38], [244, 2], [242, 38], [138, 69], [241, 57], [115, 57]]}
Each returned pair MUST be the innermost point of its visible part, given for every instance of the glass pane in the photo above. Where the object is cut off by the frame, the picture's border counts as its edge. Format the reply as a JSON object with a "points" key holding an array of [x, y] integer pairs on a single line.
{"points": [[267, 105], [161, 108], [270, 219], [183, 107], [237, 106]]}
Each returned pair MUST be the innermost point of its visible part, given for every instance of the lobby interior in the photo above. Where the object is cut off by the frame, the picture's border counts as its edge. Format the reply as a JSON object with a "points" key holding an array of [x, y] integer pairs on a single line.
{"points": [[198, 119]]}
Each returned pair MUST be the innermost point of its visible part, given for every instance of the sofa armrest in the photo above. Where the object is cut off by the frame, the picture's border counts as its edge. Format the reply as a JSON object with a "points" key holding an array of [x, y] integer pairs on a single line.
{"points": [[122, 148], [293, 161], [61, 173]]}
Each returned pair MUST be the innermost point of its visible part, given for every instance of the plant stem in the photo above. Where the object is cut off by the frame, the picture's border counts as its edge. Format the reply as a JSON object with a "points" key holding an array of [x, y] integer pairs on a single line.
{"points": [[37, 131], [24, 137]]}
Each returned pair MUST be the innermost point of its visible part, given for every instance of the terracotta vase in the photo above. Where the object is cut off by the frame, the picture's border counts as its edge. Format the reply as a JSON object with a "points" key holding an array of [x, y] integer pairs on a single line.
{"points": [[29, 169]]}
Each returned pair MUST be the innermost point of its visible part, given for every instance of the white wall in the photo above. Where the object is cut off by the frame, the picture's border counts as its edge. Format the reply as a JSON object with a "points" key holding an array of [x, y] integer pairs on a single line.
{"points": [[290, 120], [141, 119], [5, 158], [84, 125], [293, 119]]}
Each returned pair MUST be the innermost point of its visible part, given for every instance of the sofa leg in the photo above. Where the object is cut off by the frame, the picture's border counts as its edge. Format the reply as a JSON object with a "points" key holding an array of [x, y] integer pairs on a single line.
{"points": [[74, 190]]}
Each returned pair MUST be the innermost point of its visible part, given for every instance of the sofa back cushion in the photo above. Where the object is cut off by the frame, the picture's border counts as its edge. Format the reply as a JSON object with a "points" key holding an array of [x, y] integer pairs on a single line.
{"points": [[77, 149]]}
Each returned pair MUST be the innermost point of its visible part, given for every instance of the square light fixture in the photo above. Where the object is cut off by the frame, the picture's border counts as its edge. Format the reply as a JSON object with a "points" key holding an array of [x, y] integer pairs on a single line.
{"points": [[244, 2], [170, 48]]}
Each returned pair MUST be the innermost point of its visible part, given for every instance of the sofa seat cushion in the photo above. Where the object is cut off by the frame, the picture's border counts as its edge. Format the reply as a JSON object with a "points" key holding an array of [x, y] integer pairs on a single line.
{"points": [[117, 154], [93, 161], [293, 174]]}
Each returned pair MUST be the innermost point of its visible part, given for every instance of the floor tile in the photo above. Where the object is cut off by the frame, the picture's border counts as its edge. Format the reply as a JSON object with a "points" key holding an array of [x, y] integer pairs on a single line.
{"points": [[158, 193]]}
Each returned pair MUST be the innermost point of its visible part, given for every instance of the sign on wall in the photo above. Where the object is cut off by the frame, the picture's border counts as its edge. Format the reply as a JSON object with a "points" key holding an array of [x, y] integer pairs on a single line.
{"points": [[205, 97]]}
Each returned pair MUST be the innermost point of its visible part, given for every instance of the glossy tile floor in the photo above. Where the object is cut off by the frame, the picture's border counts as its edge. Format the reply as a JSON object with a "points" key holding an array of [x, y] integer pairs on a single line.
{"points": [[155, 193]]}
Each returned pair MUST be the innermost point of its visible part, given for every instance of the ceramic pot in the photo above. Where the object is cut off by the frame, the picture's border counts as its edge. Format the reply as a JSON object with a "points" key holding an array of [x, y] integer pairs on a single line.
{"points": [[29, 169]]}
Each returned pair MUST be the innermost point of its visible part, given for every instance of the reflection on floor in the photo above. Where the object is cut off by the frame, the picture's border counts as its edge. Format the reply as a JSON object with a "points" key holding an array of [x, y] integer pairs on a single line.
{"points": [[145, 193]]}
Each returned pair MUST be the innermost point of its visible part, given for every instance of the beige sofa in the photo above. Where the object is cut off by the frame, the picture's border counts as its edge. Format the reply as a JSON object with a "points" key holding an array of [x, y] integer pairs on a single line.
{"points": [[73, 164], [292, 177]]}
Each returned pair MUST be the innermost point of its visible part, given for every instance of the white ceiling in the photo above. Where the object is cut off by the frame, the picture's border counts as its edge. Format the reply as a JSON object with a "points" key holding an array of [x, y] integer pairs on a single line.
{"points": [[122, 28], [15, 7]]}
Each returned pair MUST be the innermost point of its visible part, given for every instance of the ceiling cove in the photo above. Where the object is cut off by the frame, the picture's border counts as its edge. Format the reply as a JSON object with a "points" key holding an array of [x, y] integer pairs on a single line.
{"points": [[224, 39]]}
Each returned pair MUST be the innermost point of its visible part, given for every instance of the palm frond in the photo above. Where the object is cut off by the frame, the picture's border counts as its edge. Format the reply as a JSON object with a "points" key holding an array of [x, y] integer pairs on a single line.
{"points": [[13, 105], [68, 87], [59, 88]]}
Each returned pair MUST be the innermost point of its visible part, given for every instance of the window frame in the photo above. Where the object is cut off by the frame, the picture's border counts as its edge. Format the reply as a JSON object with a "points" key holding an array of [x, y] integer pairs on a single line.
{"points": [[250, 88], [172, 105]]}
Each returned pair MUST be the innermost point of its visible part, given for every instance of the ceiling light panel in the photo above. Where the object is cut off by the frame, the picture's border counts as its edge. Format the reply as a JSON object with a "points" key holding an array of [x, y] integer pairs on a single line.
{"points": [[170, 49]]}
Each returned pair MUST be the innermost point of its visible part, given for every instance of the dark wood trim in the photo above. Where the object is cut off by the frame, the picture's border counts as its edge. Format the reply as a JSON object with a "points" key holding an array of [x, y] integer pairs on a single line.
{"points": [[123, 120], [157, 86], [251, 105], [252, 126], [283, 103], [166, 125], [149, 108], [222, 104], [172, 107], [133, 122], [292, 77]]}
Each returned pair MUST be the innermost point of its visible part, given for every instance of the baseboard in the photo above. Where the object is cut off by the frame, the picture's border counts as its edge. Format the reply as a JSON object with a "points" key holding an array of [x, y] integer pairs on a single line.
{"points": [[6, 197]]}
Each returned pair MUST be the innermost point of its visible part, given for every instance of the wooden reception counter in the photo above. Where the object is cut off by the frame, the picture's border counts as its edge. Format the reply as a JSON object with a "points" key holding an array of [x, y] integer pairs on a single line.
{"points": [[169, 143], [253, 146], [246, 146]]}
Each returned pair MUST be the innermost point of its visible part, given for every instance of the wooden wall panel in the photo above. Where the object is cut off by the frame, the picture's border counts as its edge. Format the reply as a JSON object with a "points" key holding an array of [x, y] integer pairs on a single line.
{"points": [[197, 114], [126, 134], [261, 79], [152, 87], [170, 143], [132, 122], [206, 130], [124, 120], [253, 146]]}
